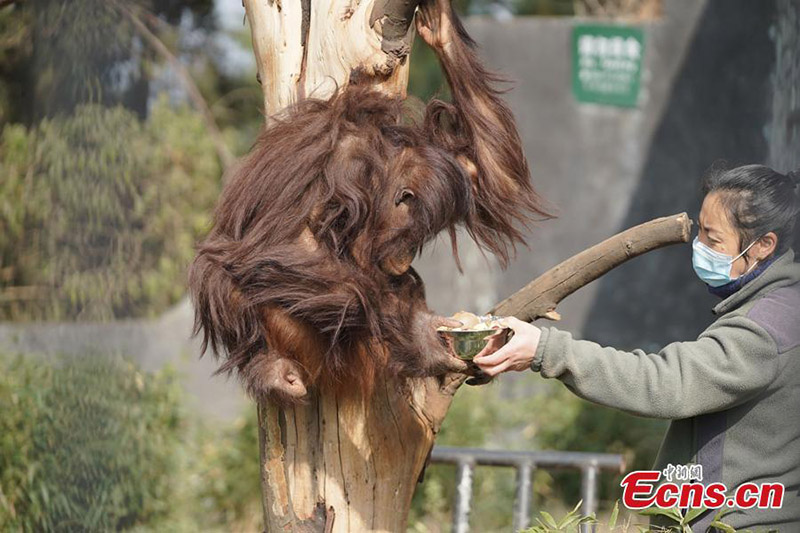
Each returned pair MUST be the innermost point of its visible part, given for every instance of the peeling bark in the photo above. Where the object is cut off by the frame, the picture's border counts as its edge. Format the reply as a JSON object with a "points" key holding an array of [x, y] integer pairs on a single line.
{"points": [[359, 458], [341, 463], [306, 49], [395, 18]]}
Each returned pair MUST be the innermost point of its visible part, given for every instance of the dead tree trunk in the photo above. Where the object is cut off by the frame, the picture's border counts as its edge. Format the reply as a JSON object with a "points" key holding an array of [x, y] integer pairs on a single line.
{"points": [[305, 50], [339, 462]]}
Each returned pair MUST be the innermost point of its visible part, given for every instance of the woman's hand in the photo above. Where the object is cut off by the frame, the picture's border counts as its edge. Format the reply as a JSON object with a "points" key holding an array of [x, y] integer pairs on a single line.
{"points": [[516, 355]]}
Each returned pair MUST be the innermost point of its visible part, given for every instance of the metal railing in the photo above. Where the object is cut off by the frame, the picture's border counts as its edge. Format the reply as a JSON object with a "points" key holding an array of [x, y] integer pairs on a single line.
{"points": [[466, 459]]}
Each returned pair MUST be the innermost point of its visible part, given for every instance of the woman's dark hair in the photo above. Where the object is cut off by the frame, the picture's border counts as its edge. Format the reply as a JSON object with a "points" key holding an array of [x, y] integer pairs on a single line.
{"points": [[758, 200]]}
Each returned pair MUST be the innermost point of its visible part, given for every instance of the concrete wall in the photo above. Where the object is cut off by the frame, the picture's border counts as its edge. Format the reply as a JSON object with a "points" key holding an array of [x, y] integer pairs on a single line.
{"points": [[719, 108], [784, 129], [710, 91], [720, 81], [152, 343], [586, 159]]}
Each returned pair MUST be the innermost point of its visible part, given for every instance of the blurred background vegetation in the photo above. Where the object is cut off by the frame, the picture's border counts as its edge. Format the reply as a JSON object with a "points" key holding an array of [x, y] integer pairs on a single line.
{"points": [[93, 443], [109, 169], [116, 121]]}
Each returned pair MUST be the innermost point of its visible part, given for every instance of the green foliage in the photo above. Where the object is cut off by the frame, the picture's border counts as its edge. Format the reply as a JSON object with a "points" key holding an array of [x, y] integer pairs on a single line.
{"points": [[564, 422], [99, 212], [227, 463], [531, 414], [56, 55], [571, 522], [547, 8], [76, 44], [95, 444], [676, 522], [80, 51], [476, 415], [86, 444], [673, 520], [426, 79], [16, 47]]}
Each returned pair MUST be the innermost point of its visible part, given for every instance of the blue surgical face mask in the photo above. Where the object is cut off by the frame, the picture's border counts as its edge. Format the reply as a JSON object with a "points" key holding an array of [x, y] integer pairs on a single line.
{"points": [[713, 267]]}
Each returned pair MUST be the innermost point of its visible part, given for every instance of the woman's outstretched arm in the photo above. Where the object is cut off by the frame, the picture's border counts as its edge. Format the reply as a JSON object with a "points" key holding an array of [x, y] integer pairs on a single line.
{"points": [[731, 362]]}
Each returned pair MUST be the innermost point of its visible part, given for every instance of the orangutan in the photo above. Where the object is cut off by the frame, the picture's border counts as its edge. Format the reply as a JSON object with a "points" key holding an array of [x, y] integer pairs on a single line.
{"points": [[306, 278]]}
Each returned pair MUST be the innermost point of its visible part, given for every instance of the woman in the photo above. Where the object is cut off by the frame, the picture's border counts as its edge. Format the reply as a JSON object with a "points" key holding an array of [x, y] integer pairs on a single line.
{"points": [[733, 395]]}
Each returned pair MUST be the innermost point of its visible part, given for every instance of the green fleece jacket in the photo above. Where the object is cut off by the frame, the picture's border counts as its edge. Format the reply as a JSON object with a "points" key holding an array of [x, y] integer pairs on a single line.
{"points": [[733, 395]]}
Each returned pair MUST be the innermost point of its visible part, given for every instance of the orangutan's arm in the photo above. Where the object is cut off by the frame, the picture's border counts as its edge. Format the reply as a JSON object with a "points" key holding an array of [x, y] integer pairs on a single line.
{"points": [[487, 127], [436, 357], [479, 127]]}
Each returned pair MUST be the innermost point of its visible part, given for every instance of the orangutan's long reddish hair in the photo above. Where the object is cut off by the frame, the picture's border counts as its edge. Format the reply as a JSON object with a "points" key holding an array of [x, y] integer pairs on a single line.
{"points": [[308, 262]]}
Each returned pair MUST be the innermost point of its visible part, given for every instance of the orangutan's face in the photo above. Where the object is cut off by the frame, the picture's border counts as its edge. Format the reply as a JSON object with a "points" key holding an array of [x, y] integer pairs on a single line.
{"points": [[427, 192], [388, 200]]}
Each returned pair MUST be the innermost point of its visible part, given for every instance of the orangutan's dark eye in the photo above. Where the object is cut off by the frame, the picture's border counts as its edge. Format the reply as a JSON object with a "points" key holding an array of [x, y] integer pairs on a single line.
{"points": [[403, 196]]}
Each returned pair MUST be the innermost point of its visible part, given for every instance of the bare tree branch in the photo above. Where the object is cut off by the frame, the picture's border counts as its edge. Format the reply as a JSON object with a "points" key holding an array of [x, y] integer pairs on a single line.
{"points": [[223, 152], [539, 298]]}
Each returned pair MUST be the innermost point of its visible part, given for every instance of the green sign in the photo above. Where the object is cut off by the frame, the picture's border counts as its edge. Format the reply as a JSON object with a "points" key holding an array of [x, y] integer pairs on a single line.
{"points": [[607, 64]]}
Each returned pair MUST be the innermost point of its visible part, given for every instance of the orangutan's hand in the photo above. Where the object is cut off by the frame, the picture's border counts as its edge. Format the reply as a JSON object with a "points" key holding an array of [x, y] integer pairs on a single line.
{"points": [[452, 362], [435, 24], [515, 355]]}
